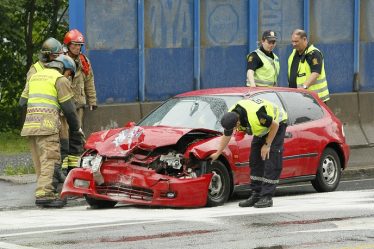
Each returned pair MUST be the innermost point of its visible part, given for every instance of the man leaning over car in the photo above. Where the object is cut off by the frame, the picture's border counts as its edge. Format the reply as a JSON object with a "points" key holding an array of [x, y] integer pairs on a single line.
{"points": [[267, 122]]}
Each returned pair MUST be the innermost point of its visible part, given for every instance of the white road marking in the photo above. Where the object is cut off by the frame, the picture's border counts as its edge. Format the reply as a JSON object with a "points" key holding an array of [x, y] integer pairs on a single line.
{"points": [[4, 245], [78, 218]]}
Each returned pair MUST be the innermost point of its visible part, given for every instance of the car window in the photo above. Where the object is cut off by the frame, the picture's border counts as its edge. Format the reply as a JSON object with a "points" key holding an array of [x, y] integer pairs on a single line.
{"points": [[301, 107], [191, 112], [271, 96]]}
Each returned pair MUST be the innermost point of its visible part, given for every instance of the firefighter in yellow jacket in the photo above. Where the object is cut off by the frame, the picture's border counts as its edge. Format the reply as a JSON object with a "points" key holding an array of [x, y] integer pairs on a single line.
{"points": [[50, 50], [267, 123], [48, 93], [306, 67], [83, 87]]}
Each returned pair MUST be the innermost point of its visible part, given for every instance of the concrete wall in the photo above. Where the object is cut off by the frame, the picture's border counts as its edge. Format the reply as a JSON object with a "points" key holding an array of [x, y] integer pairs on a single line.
{"points": [[355, 110]]}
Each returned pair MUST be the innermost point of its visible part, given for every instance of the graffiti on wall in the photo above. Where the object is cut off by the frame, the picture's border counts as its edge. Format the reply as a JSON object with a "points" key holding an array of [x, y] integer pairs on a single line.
{"points": [[168, 23]]}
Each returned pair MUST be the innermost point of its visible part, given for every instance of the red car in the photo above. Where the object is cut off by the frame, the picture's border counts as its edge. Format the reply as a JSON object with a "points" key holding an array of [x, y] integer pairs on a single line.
{"points": [[163, 159]]}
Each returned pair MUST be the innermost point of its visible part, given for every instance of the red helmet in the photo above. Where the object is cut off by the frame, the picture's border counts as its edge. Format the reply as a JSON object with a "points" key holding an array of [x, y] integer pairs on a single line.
{"points": [[74, 36]]}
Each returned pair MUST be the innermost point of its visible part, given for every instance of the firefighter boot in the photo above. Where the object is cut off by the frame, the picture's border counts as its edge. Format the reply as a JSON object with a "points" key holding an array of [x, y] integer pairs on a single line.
{"points": [[50, 203], [250, 201], [264, 202]]}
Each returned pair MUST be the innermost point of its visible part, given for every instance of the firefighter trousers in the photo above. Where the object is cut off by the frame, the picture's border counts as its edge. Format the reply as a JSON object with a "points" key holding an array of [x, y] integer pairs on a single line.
{"points": [[45, 150]]}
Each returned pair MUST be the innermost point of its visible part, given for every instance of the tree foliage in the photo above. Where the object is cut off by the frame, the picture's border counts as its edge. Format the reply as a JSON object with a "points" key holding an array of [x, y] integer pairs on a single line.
{"points": [[24, 25]]}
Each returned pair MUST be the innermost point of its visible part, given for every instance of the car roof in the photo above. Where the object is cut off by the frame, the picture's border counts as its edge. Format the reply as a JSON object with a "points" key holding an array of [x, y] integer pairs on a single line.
{"points": [[235, 91]]}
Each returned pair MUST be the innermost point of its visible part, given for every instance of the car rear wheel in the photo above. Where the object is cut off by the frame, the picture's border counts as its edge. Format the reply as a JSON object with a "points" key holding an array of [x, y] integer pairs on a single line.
{"points": [[329, 172], [99, 204], [219, 187]]}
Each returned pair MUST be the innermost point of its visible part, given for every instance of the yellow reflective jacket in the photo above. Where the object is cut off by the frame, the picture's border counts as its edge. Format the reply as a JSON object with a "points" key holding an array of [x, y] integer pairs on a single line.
{"points": [[267, 75], [252, 106], [304, 72], [43, 107]]}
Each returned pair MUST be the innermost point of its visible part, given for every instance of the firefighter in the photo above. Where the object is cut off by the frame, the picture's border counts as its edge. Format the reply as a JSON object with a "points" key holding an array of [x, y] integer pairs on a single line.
{"points": [[50, 50], [84, 90], [48, 93], [306, 67], [267, 123], [263, 64]]}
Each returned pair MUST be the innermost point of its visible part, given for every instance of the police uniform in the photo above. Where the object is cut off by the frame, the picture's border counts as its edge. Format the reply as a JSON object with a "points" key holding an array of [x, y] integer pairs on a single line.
{"points": [[256, 116], [265, 66], [48, 92], [300, 67]]}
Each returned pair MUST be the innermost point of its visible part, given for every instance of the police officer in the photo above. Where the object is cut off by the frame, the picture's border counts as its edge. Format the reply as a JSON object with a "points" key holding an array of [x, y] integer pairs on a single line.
{"points": [[83, 87], [263, 65], [50, 50], [306, 67], [267, 123], [48, 93]]}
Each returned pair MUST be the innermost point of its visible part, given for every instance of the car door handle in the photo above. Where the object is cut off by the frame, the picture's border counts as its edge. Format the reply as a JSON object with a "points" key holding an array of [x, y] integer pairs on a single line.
{"points": [[288, 135]]}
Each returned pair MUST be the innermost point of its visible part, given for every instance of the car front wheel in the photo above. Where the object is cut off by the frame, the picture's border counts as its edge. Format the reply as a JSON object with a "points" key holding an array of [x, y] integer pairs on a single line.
{"points": [[329, 172], [219, 187]]}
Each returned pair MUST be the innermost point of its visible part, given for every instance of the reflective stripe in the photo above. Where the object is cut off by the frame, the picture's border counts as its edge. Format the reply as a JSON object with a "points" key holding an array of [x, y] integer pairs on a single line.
{"points": [[321, 80], [39, 95], [65, 163], [263, 179], [43, 105], [267, 83], [73, 161]]}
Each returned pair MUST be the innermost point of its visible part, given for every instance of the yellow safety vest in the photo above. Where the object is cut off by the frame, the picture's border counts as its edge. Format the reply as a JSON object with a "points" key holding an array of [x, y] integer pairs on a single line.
{"points": [[267, 75], [252, 106], [304, 72], [43, 107], [38, 66]]}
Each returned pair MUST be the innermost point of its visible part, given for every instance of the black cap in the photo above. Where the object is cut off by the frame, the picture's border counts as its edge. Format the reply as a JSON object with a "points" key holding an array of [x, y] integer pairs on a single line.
{"points": [[229, 121], [269, 35]]}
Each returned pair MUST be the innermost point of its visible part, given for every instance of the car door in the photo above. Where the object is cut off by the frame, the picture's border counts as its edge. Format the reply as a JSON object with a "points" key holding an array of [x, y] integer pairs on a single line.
{"points": [[291, 150], [305, 115]]}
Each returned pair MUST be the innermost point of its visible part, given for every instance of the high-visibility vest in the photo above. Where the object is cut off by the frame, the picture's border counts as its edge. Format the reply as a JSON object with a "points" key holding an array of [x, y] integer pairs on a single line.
{"points": [[252, 106], [38, 66], [267, 75], [304, 72], [43, 107]]}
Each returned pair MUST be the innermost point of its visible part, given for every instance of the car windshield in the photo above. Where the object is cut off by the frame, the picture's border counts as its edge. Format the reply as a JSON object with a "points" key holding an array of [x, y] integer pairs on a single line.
{"points": [[191, 112]]}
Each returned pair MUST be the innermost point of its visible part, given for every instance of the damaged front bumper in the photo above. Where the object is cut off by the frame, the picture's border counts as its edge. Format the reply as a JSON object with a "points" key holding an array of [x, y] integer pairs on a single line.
{"points": [[138, 185]]}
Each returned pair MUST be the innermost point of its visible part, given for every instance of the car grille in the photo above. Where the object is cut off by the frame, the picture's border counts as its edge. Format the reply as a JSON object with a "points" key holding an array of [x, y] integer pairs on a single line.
{"points": [[125, 191]]}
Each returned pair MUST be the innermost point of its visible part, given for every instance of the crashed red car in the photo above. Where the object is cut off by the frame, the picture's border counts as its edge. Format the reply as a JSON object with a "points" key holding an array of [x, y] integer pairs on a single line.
{"points": [[163, 159]]}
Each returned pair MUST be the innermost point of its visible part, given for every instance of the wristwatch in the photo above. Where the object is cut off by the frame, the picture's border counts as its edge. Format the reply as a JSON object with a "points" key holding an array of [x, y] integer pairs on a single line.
{"points": [[305, 87]]}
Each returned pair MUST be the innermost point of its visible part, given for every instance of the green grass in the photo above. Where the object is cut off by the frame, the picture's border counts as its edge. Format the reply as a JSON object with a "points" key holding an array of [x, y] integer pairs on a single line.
{"points": [[13, 143], [18, 170]]}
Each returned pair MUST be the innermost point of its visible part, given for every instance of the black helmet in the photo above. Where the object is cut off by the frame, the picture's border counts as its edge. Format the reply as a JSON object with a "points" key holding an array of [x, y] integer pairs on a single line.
{"points": [[51, 46]]}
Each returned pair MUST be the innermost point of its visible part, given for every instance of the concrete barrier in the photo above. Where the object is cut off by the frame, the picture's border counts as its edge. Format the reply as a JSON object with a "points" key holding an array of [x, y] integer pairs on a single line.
{"points": [[346, 107], [366, 110], [353, 109], [110, 116]]}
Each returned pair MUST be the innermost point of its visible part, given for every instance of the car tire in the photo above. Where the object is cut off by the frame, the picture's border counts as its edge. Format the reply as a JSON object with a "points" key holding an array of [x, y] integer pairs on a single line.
{"points": [[219, 187], [328, 173], [99, 204]]}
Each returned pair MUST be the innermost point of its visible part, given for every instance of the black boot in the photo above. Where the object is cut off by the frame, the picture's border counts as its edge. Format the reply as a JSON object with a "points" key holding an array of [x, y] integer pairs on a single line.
{"points": [[250, 201], [264, 202], [50, 203], [58, 176]]}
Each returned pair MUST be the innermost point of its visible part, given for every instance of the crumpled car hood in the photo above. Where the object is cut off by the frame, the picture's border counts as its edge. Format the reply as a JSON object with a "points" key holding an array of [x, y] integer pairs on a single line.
{"points": [[120, 142]]}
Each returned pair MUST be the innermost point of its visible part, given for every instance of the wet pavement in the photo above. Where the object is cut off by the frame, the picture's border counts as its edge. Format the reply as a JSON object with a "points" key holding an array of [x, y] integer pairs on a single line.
{"points": [[18, 191]]}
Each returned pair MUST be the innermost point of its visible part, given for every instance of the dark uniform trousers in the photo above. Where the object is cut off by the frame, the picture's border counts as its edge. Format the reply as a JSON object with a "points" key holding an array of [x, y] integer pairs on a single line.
{"points": [[265, 173]]}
